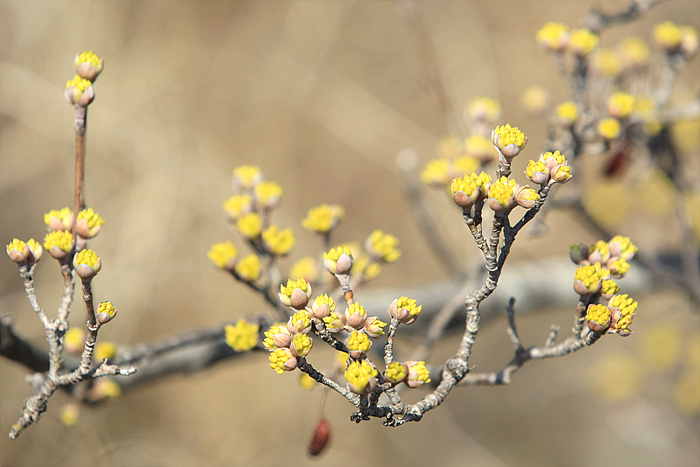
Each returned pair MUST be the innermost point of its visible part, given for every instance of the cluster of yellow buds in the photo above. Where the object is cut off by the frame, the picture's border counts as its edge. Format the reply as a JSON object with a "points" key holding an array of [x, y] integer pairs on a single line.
{"points": [[105, 313], [483, 109], [620, 105], [287, 343], [242, 336], [503, 194], [86, 264], [606, 62], [21, 252], [600, 263], [382, 246], [295, 294], [470, 190], [324, 219], [456, 156], [558, 38], [354, 319], [552, 167], [59, 242], [619, 248], [79, 90], [677, 39], [438, 172], [338, 260], [249, 209], [404, 310], [508, 141]]}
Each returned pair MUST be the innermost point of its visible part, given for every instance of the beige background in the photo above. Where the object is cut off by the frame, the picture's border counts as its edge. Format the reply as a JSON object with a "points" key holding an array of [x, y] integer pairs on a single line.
{"points": [[321, 95]]}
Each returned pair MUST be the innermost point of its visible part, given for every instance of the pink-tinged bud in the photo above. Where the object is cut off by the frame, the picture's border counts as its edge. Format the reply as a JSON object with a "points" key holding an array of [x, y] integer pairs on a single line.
{"points": [[80, 98], [599, 318], [105, 313], [588, 279], [59, 244], [396, 372], [355, 316], [87, 264], [358, 344], [538, 172], [508, 140], [59, 219], [322, 306], [300, 322], [18, 251], [623, 309], [374, 327], [88, 65], [599, 252], [338, 260], [562, 173], [277, 337], [301, 345], [405, 310], [361, 377], [418, 374], [282, 360], [609, 289], [88, 224], [295, 294], [526, 197], [335, 322], [618, 268], [622, 247], [321, 311], [35, 250]]}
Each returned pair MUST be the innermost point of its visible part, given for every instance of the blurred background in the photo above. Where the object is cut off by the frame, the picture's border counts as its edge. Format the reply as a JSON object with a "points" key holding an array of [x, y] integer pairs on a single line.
{"points": [[322, 95]]}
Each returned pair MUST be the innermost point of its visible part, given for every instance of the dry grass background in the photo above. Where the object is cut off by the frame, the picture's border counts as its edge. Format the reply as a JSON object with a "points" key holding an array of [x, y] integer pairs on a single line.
{"points": [[321, 95]]}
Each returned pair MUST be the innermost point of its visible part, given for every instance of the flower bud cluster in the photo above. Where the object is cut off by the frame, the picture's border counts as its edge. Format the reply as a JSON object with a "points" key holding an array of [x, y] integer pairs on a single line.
{"points": [[412, 373], [24, 252], [287, 343], [354, 319], [87, 225], [677, 39], [295, 294], [615, 255], [338, 260], [405, 310], [383, 246], [509, 141], [557, 37], [249, 209], [552, 167], [243, 336], [600, 263], [323, 219], [623, 309], [79, 91]]}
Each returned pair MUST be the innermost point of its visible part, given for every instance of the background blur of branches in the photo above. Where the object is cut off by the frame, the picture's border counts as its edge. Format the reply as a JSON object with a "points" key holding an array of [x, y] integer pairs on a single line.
{"points": [[321, 95]]}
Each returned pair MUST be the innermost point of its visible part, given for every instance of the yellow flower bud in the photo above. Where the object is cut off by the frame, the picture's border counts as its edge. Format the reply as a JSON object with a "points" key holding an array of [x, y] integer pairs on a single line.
{"points": [[105, 312], [243, 336], [87, 264], [582, 42], [508, 140], [88, 65], [553, 36]]}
